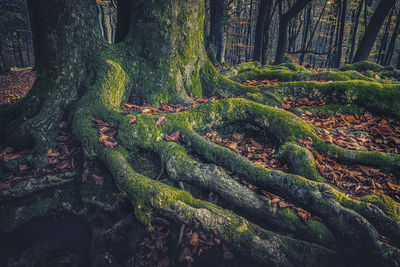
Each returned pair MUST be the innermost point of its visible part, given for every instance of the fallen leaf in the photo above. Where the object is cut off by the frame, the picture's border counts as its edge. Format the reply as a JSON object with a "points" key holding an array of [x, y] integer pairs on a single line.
{"points": [[161, 120], [195, 238], [173, 137], [110, 144], [233, 145], [132, 120]]}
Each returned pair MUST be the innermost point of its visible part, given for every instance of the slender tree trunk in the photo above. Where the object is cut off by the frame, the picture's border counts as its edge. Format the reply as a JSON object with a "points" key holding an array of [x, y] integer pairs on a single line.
{"points": [[249, 31], [20, 51], [372, 30], [307, 23], [354, 32], [283, 27], [341, 33], [380, 56], [315, 28], [392, 43]]}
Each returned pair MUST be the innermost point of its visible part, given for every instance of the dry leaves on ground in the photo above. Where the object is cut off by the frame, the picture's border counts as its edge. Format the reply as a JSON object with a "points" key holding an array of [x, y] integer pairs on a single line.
{"points": [[61, 159]]}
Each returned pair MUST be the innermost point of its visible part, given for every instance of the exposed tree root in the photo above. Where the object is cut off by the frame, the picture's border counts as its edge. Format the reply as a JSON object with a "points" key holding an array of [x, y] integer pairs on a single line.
{"points": [[355, 222], [33, 185], [181, 167]]}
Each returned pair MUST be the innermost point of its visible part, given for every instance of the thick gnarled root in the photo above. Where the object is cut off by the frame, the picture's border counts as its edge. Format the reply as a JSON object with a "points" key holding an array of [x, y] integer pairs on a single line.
{"points": [[152, 197], [319, 198], [181, 167]]}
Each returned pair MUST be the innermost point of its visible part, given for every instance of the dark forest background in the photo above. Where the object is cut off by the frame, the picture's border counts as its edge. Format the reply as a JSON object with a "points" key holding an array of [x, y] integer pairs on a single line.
{"points": [[320, 33]]}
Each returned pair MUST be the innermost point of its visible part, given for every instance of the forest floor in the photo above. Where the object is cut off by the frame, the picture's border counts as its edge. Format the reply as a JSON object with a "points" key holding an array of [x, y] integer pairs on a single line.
{"points": [[359, 130]]}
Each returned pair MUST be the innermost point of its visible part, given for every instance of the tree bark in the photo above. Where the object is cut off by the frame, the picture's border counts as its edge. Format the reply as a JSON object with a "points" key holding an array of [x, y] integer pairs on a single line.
{"points": [[384, 39], [283, 27], [341, 33], [354, 32], [372, 30], [218, 10], [264, 9], [392, 43]]}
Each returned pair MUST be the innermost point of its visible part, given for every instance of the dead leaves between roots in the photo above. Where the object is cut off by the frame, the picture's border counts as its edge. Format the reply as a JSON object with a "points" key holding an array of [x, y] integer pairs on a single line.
{"points": [[154, 250], [355, 180], [61, 159], [291, 102], [358, 132], [250, 149]]}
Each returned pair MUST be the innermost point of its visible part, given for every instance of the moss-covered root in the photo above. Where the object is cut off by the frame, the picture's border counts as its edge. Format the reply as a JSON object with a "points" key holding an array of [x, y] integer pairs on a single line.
{"points": [[149, 197], [362, 66], [292, 76], [300, 160], [213, 83], [319, 198], [181, 167], [375, 96]]}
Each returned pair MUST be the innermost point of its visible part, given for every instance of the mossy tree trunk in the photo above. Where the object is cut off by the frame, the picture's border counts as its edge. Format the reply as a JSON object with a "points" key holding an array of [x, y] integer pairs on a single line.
{"points": [[160, 58]]}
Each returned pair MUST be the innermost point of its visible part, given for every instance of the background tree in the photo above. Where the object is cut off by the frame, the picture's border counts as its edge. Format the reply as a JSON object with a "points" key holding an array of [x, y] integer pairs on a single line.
{"points": [[218, 9], [264, 11], [283, 26], [372, 30]]}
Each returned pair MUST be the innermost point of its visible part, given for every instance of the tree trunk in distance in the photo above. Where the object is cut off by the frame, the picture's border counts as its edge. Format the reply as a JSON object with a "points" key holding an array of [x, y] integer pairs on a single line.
{"points": [[283, 27], [217, 28], [371, 32]]}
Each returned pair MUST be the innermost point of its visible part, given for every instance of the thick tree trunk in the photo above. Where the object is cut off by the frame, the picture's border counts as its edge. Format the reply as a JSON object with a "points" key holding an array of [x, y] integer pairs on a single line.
{"points": [[371, 32], [283, 28], [62, 55]]}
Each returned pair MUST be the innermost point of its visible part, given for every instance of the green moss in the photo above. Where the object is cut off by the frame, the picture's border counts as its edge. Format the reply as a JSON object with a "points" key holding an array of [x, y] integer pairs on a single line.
{"points": [[375, 96], [293, 67], [335, 109], [266, 98], [362, 66], [386, 204], [246, 66], [301, 161]]}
